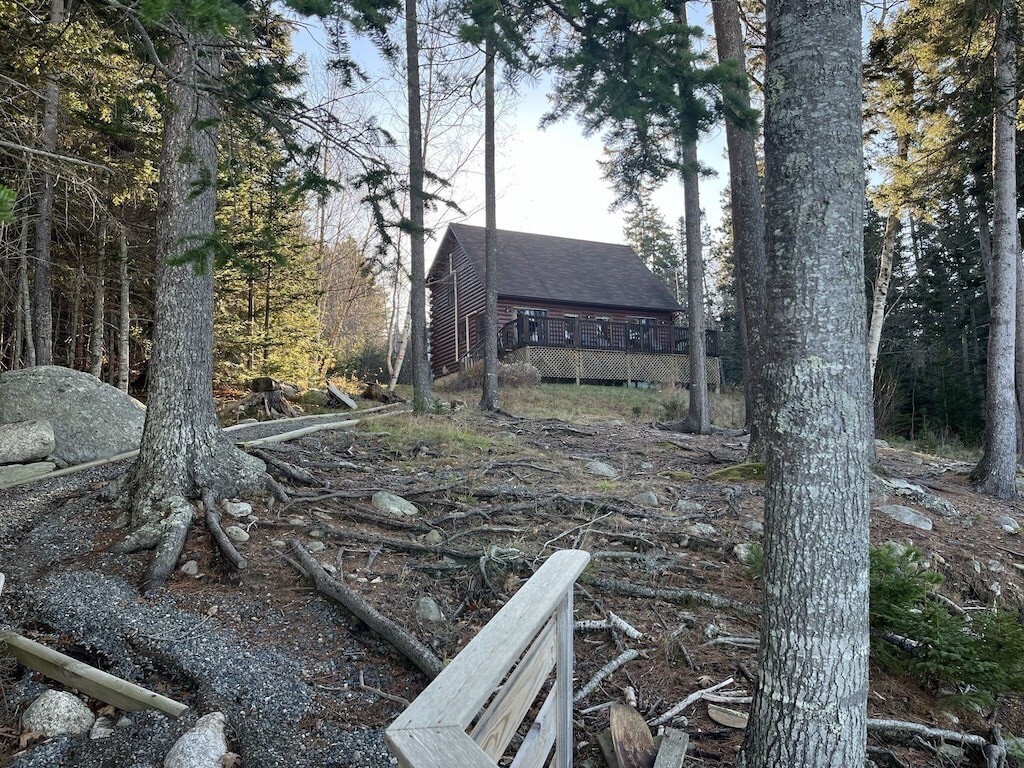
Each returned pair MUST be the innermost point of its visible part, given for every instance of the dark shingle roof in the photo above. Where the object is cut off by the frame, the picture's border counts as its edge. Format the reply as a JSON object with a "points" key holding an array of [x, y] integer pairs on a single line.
{"points": [[563, 269]]}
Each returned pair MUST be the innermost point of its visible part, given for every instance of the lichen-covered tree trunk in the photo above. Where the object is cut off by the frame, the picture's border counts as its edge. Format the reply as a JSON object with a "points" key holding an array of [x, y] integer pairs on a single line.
{"points": [[996, 473], [421, 377], [183, 448], [809, 710], [747, 231], [489, 400], [26, 353], [698, 419], [42, 284]]}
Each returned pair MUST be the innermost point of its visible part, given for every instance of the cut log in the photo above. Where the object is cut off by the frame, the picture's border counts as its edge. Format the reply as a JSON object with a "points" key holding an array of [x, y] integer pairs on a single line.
{"points": [[89, 680], [424, 659], [335, 397], [631, 738]]}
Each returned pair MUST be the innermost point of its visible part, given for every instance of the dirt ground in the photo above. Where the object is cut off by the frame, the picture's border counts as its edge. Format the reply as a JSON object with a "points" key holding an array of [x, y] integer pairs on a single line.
{"points": [[496, 495]]}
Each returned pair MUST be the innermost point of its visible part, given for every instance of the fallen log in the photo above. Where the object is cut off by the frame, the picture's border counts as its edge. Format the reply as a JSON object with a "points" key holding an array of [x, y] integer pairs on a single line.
{"points": [[905, 729], [604, 672], [424, 659], [685, 596], [89, 680]]}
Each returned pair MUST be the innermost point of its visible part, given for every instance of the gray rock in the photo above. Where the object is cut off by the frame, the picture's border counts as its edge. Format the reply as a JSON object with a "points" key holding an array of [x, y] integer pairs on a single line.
{"points": [[235, 533], [278, 543], [24, 441], [646, 499], [391, 504], [103, 728], [237, 508], [907, 516], [703, 530], [190, 568], [1009, 524], [879, 443], [427, 609], [744, 552], [689, 507], [433, 537], [601, 469], [57, 712], [316, 546], [296, 521], [995, 566], [754, 526], [201, 747], [91, 420], [15, 473], [647, 465], [934, 504]]}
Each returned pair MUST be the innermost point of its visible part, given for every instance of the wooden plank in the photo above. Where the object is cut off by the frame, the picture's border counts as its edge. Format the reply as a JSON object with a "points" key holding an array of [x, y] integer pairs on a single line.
{"points": [[438, 747], [536, 746], [499, 722], [457, 694], [672, 753], [632, 739], [89, 680], [563, 683], [341, 397]]}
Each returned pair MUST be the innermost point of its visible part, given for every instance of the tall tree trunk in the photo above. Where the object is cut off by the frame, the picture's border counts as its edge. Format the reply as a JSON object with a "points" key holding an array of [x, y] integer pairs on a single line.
{"points": [[489, 400], [698, 419], [421, 377], [183, 448], [884, 276], [403, 345], [747, 231], [75, 353], [124, 329], [27, 355], [98, 301], [42, 288], [809, 709], [996, 473]]}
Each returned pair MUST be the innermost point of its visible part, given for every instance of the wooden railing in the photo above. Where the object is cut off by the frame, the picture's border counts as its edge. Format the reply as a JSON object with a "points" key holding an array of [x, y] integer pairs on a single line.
{"points": [[449, 726], [574, 332]]}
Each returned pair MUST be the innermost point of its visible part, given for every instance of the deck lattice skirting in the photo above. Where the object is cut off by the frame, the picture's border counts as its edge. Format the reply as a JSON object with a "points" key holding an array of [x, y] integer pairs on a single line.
{"points": [[464, 719], [612, 365]]}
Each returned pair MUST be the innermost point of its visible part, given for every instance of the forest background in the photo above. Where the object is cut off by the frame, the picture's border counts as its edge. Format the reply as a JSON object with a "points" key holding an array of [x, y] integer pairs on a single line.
{"points": [[312, 277]]}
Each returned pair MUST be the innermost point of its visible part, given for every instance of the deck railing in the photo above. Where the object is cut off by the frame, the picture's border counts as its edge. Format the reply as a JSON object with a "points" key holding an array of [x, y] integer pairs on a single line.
{"points": [[575, 332], [449, 725]]}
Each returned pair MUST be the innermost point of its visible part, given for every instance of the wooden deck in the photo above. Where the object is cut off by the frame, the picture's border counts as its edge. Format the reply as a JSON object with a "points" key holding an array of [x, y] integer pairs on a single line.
{"points": [[602, 366], [602, 335]]}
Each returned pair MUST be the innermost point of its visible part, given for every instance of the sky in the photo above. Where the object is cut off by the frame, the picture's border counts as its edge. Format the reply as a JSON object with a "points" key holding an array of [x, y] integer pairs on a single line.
{"points": [[548, 181]]}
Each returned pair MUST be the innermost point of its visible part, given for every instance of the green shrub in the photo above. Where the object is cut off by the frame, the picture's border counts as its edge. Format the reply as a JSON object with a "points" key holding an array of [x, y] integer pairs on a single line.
{"points": [[977, 658]]}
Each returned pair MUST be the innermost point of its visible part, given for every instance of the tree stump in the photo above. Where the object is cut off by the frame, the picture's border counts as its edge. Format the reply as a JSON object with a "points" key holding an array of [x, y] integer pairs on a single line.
{"points": [[266, 395]]}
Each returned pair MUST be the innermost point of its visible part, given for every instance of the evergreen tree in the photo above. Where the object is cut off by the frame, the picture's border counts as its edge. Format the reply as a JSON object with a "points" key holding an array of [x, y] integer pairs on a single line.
{"points": [[650, 237]]}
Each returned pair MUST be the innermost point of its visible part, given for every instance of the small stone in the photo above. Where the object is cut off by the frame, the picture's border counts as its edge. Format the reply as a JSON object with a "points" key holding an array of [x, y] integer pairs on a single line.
{"points": [[377, 580], [433, 537], [237, 508], [316, 546], [57, 712], [601, 469], [201, 747], [316, 533], [744, 552], [361, 580], [754, 526], [646, 499], [702, 530], [689, 507], [995, 566], [391, 504], [427, 609], [235, 533], [995, 588], [907, 516], [647, 465], [103, 728], [124, 722], [351, 576], [1009, 525], [319, 514], [296, 521], [190, 568], [279, 543]]}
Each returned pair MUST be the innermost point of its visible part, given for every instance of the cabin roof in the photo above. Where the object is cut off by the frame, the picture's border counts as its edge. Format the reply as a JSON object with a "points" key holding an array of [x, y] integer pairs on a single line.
{"points": [[563, 269]]}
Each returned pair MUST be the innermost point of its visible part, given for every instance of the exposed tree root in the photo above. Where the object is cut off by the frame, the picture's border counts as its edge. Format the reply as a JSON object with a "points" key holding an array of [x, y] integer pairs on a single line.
{"points": [[217, 532], [168, 549], [284, 471], [405, 643]]}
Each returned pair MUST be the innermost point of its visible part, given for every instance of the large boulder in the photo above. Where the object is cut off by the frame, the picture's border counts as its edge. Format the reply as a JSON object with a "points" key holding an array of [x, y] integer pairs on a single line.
{"points": [[91, 420], [57, 712]]}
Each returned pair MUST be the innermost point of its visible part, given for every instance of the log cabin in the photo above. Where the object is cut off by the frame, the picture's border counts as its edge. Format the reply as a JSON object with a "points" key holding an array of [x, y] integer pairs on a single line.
{"points": [[574, 309]]}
